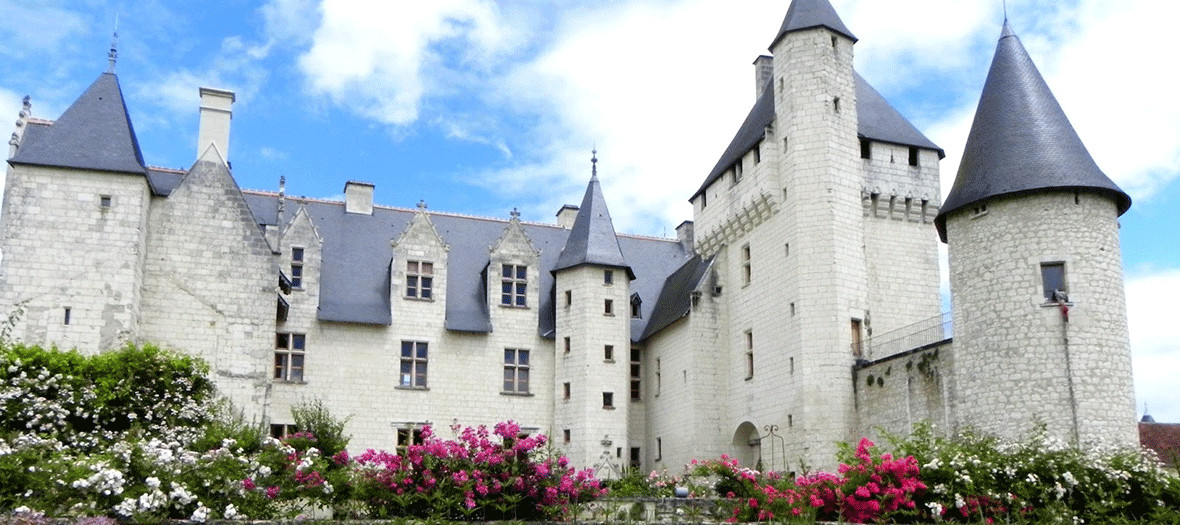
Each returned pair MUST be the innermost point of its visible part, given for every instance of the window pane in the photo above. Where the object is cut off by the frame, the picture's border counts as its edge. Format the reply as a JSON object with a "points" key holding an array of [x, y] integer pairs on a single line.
{"points": [[281, 341], [296, 254], [520, 300], [411, 266], [297, 341], [407, 348], [524, 357], [296, 271], [422, 351], [507, 271], [522, 272], [522, 378], [427, 268], [1053, 278], [520, 288], [506, 288], [509, 356], [506, 299]]}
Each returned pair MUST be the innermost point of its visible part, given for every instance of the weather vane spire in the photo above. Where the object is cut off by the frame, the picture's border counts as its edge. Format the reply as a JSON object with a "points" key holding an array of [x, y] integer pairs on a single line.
{"points": [[594, 162], [113, 54], [1005, 11]]}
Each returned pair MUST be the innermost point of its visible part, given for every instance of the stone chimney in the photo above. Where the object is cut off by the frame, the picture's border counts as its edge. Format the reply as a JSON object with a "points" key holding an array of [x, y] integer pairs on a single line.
{"points": [[684, 234], [216, 112], [763, 72], [358, 197], [566, 216]]}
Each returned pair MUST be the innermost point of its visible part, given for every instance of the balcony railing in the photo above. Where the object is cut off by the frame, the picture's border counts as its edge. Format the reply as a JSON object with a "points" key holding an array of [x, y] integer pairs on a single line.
{"points": [[916, 335]]}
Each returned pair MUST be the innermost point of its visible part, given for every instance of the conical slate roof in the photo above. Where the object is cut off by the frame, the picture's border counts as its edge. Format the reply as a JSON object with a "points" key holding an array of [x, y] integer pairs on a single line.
{"points": [[806, 14], [1021, 140], [95, 133], [592, 238]]}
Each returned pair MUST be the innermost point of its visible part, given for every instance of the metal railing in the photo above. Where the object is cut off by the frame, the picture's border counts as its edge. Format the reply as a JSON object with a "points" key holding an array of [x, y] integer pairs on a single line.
{"points": [[916, 335]]}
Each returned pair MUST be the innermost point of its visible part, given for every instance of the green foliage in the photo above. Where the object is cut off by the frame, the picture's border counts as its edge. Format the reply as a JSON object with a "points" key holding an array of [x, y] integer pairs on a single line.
{"points": [[313, 417]]}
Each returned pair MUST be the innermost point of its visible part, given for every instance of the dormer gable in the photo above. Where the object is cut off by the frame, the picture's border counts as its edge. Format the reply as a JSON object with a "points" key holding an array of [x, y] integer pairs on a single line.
{"points": [[512, 274], [418, 271]]}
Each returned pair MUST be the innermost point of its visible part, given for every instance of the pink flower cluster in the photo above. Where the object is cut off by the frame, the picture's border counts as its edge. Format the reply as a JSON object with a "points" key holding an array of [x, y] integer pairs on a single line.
{"points": [[476, 476], [878, 485]]}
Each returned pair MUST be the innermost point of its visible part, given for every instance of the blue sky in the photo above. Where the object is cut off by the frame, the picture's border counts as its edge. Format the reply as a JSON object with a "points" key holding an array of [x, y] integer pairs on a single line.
{"points": [[479, 107]]}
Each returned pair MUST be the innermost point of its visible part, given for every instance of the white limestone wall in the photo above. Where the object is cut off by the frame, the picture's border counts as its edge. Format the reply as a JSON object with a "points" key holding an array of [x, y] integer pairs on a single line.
{"points": [[901, 245], [897, 393], [595, 430], [210, 283], [63, 249], [301, 319], [820, 172], [1011, 346]]}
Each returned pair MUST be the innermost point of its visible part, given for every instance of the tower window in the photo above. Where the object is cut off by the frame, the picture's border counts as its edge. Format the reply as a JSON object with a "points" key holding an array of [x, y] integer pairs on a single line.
{"points": [[66, 318], [746, 264], [659, 449], [104, 201], [1053, 280], [608, 307], [635, 376], [565, 435], [608, 277], [749, 354], [608, 353], [758, 153], [737, 172], [608, 400], [566, 342], [635, 462], [913, 156], [866, 149], [565, 391], [836, 104], [636, 306], [569, 298]]}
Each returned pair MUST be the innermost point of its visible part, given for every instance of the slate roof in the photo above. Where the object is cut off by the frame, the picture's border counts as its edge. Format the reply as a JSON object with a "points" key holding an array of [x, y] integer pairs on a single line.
{"points": [[1021, 141], [592, 238], [1164, 439], [876, 120], [95, 133], [675, 300], [806, 14], [356, 257]]}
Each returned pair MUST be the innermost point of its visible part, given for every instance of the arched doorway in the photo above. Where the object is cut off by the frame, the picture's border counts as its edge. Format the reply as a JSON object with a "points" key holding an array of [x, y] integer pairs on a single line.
{"points": [[746, 445]]}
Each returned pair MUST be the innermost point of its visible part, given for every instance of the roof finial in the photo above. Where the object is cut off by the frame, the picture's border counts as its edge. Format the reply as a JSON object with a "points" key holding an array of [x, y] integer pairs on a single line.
{"points": [[422, 204], [1005, 11], [515, 214], [594, 163], [113, 54]]}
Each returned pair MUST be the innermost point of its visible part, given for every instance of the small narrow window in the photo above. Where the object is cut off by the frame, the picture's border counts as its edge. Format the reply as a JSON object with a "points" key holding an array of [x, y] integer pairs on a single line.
{"points": [[866, 149], [792, 363], [569, 298], [834, 43], [296, 267], [104, 201], [636, 306], [792, 309], [635, 462], [790, 420], [659, 449], [608, 353], [746, 264], [737, 172], [836, 104], [749, 354], [608, 277], [913, 156], [565, 435], [608, 307], [565, 391], [608, 400], [635, 376], [704, 200], [787, 249], [758, 153], [66, 319], [1053, 281], [566, 341], [658, 376]]}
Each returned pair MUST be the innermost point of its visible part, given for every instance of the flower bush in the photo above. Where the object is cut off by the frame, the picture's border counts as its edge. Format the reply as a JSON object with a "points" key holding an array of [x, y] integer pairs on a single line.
{"points": [[473, 477]]}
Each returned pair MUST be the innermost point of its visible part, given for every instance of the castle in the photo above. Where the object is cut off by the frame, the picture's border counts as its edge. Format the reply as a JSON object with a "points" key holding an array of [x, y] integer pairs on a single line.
{"points": [[800, 307]]}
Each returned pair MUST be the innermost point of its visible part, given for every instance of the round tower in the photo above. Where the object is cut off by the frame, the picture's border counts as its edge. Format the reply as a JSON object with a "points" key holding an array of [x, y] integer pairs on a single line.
{"points": [[1031, 225]]}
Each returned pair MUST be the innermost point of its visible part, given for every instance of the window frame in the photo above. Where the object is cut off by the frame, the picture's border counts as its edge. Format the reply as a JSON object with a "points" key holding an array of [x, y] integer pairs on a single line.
{"points": [[298, 259], [514, 277], [289, 348], [636, 375], [514, 366], [420, 280], [415, 354], [608, 400], [747, 272], [1062, 278]]}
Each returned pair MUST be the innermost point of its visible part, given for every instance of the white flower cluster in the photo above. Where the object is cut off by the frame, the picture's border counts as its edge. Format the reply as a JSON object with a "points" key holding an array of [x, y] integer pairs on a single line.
{"points": [[105, 481]]}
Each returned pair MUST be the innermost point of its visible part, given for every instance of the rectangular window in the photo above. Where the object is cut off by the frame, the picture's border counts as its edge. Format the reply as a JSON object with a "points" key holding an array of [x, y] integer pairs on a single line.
{"points": [[758, 153], [659, 449], [737, 171], [407, 437], [516, 371], [1053, 280], [289, 352], [565, 391], [704, 200], [608, 277], [749, 354], [608, 353], [746, 264], [296, 267], [636, 307], [419, 279], [608, 400], [913, 156], [635, 461], [635, 377], [866, 149], [565, 436], [66, 319], [281, 431], [658, 382], [569, 298], [858, 350], [608, 307], [566, 341], [413, 365], [104, 201], [513, 285]]}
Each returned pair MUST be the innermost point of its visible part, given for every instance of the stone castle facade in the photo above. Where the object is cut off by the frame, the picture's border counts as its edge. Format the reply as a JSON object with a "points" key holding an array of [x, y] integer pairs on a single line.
{"points": [[799, 308]]}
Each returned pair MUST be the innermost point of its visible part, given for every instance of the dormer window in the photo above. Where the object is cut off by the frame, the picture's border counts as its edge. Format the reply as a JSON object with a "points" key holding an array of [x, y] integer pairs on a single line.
{"points": [[297, 268], [419, 279], [636, 306], [514, 285]]}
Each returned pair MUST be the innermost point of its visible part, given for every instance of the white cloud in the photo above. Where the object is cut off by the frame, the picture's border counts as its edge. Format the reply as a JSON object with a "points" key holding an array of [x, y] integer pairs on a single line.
{"points": [[1155, 351], [381, 61], [27, 26]]}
